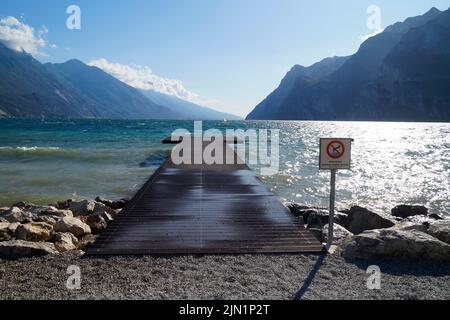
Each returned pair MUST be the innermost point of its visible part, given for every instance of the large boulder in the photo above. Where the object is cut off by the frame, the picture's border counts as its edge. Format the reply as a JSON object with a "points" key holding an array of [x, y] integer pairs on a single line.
{"points": [[16, 249], [65, 242], [405, 211], [440, 230], [34, 232], [360, 219], [317, 219], [339, 234], [82, 208], [391, 243], [6, 233], [15, 214], [72, 225], [120, 204]]}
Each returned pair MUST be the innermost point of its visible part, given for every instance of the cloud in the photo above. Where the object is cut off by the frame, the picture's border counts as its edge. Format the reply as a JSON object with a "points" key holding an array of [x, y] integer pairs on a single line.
{"points": [[142, 77], [370, 35], [21, 37]]}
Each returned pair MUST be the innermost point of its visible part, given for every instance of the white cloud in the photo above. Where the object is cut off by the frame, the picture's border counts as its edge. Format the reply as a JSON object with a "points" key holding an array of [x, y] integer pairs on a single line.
{"points": [[370, 35], [142, 77], [21, 37]]}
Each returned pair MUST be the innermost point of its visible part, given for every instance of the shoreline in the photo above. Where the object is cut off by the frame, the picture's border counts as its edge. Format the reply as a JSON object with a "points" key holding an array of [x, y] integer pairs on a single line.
{"points": [[43, 274]]}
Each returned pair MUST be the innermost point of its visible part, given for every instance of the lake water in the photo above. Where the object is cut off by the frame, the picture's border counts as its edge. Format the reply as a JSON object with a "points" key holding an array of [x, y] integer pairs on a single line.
{"points": [[393, 163]]}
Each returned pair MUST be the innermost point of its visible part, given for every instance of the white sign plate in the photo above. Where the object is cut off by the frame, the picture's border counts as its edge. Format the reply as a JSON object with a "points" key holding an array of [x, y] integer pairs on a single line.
{"points": [[335, 153]]}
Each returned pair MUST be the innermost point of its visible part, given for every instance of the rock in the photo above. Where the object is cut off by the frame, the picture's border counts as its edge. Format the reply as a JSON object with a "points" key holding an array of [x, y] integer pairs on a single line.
{"points": [[360, 219], [63, 205], [34, 232], [47, 219], [440, 230], [296, 209], [113, 204], [420, 220], [13, 227], [100, 208], [24, 205], [65, 242], [405, 211], [407, 225], [82, 208], [86, 241], [72, 225], [16, 249], [15, 214], [3, 209], [391, 243], [3, 220], [435, 216], [317, 219], [5, 232], [339, 234], [97, 223]]}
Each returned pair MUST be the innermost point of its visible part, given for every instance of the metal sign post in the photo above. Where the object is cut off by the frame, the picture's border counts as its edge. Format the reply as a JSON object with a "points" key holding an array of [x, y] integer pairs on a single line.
{"points": [[335, 154]]}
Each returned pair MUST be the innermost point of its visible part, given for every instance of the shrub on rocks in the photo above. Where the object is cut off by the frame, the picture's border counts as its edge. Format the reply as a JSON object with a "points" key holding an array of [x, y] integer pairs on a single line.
{"points": [[391, 243], [360, 219], [34, 232], [16, 249], [405, 211], [72, 225]]}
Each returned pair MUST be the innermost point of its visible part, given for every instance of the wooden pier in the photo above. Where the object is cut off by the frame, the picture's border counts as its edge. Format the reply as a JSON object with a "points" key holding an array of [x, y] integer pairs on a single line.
{"points": [[204, 209]]}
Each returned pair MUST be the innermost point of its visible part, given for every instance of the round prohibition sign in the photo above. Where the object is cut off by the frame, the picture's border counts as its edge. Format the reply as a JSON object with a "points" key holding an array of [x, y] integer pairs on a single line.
{"points": [[335, 149]]}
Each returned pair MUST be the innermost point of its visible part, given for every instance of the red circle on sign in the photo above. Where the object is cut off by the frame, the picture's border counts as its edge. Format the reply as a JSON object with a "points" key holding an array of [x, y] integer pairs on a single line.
{"points": [[335, 149]]}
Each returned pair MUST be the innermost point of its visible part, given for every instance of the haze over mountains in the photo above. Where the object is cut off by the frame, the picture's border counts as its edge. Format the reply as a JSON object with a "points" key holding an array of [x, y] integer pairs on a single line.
{"points": [[76, 90], [401, 74]]}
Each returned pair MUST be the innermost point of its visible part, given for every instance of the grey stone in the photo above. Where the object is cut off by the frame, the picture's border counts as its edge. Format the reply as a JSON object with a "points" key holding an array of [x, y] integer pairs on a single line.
{"points": [[405, 211], [16, 249], [82, 208], [440, 230], [339, 234], [15, 214], [72, 225], [34, 232], [391, 243], [360, 219]]}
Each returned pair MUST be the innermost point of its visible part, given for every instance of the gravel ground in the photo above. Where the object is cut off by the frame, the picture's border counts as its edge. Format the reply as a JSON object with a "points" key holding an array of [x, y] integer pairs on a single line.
{"points": [[221, 277]]}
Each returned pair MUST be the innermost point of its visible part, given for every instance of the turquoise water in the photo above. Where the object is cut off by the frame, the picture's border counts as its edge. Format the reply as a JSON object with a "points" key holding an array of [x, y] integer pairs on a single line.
{"points": [[393, 163]]}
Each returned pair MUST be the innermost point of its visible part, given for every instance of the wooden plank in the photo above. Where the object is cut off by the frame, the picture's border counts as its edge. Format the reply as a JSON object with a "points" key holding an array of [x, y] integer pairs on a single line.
{"points": [[204, 209]]}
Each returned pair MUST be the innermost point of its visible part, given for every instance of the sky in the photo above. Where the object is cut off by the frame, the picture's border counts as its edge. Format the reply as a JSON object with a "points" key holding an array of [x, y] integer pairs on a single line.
{"points": [[226, 54]]}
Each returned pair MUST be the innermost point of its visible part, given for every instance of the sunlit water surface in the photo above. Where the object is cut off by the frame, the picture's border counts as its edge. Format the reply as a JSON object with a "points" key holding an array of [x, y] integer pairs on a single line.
{"points": [[393, 163]]}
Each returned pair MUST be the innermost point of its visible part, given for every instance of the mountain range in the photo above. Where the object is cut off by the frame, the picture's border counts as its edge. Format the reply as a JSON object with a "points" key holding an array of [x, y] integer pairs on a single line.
{"points": [[76, 90], [401, 74]]}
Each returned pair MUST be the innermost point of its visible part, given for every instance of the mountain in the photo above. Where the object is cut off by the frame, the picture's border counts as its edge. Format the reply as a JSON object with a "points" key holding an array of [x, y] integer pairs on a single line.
{"points": [[69, 90], [400, 74], [111, 97], [28, 90], [185, 109]]}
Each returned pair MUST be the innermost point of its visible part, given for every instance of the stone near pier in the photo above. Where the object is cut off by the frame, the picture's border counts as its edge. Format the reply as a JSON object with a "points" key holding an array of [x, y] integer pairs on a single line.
{"points": [[34, 232], [440, 230], [65, 242], [5, 231], [15, 214], [16, 249], [339, 234], [360, 219], [120, 204], [97, 223], [72, 225], [391, 243], [405, 211], [82, 208]]}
